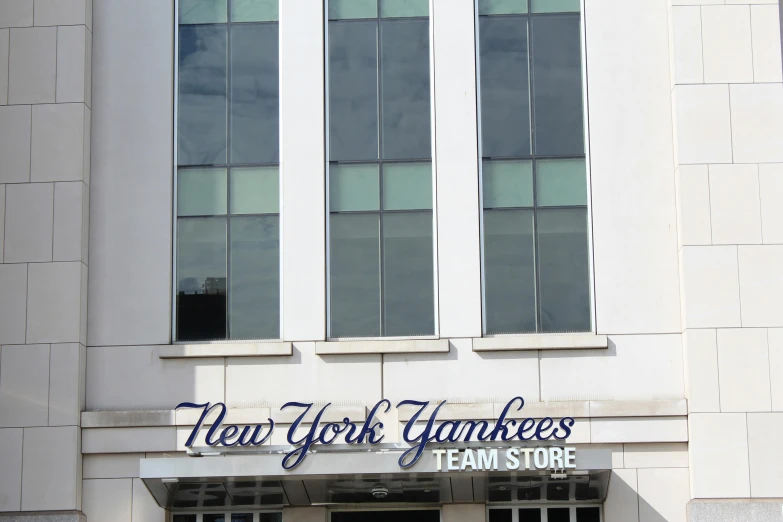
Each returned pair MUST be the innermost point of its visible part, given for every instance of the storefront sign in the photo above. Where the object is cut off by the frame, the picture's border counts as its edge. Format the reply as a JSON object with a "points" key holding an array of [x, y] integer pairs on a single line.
{"points": [[419, 431], [515, 459]]}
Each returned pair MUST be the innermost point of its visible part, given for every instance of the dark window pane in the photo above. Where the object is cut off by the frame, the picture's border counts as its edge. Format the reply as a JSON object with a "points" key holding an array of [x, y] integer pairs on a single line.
{"points": [[184, 518], [509, 271], [530, 515], [405, 89], [589, 514], [408, 284], [505, 90], [202, 95], [214, 518], [201, 279], [254, 93], [255, 278], [270, 517], [241, 517], [564, 273], [558, 515], [353, 90], [499, 515], [355, 275], [557, 74]]}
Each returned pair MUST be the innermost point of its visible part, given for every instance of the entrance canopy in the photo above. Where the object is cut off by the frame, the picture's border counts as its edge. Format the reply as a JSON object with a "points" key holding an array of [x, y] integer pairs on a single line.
{"points": [[338, 475]]}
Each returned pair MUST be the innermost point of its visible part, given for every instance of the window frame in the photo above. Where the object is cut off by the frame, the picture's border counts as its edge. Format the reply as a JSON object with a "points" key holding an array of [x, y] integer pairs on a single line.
{"points": [[543, 506], [236, 510], [174, 337], [533, 159], [380, 162]]}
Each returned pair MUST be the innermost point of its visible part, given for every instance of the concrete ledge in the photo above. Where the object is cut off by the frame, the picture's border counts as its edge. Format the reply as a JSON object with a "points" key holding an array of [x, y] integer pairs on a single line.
{"points": [[211, 350], [44, 516], [639, 408], [749, 510], [540, 342], [129, 440], [382, 346], [127, 419]]}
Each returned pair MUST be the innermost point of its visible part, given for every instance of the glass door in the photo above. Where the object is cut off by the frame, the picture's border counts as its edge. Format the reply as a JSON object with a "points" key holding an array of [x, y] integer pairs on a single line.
{"points": [[555, 513], [409, 515], [227, 517]]}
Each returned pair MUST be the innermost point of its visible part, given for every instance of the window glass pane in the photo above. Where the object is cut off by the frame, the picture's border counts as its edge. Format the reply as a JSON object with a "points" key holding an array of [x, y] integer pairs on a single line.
{"points": [[353, 90], [254, 10], [255, 278], [589, 514], [488, 7], [201, 192], [557, 71], [355, 275], [500, 515], [202, 95], [561, 182], [345, 9], [270, 517], [556, 6], [505, 90], [509, 271], [558, 515], [405, 77], [255, 190], [353, 187], [241, 517], [201, 279], [530, 515], [409, 306], [202, 11], [254, 93], [407, 186], [404, 8], [184, 518], [564, 270], [214, 518], [507, 184]]}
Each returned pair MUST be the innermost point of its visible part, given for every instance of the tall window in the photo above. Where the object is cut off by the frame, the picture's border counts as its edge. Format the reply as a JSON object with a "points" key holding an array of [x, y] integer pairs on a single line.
{"points": [[380, 169], [536, 267], [227, 177]]}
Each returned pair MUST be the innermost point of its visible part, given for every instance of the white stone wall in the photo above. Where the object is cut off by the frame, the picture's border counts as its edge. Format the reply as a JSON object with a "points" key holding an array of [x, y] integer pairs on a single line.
{"points": [[728, 114], [45, 101]]}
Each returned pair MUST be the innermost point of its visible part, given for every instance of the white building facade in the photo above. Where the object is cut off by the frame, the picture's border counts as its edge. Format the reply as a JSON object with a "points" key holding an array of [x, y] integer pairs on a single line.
{"points": [[553, 227]]}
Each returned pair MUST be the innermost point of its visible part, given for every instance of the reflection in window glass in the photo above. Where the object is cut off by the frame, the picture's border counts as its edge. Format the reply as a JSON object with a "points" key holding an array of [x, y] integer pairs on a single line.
{"points": [[530, 515], [381, 280], [558, 515], [565, 292], [355, 275], [202, 95], [184, 518], [353, 90], [588, 514], [534, 175], [500, 515], [405, 75], [214, 518], [254, 94], [228, 180], [408, 300], [241, 517], [505, 105], [201, 278], [510, 273]]}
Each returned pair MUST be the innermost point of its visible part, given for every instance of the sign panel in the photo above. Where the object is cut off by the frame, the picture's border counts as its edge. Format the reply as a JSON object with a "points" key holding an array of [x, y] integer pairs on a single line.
{"points": [[420, 431]]}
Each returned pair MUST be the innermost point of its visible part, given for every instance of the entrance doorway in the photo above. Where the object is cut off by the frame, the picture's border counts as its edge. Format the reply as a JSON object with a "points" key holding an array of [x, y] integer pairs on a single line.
{"points": [[549, 513], [425, 515]]}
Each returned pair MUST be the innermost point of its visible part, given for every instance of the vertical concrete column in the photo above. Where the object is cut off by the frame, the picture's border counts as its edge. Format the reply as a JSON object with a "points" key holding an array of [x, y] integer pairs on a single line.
{"points": [[464, 513], [456, 168], [302, 171], [305, 514], [727, 92], [45, 99]]}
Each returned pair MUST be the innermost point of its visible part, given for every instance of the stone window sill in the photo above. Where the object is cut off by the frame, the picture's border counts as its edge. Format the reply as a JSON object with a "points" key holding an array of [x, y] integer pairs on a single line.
{"points": [[226, 349], [540, 342]]}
